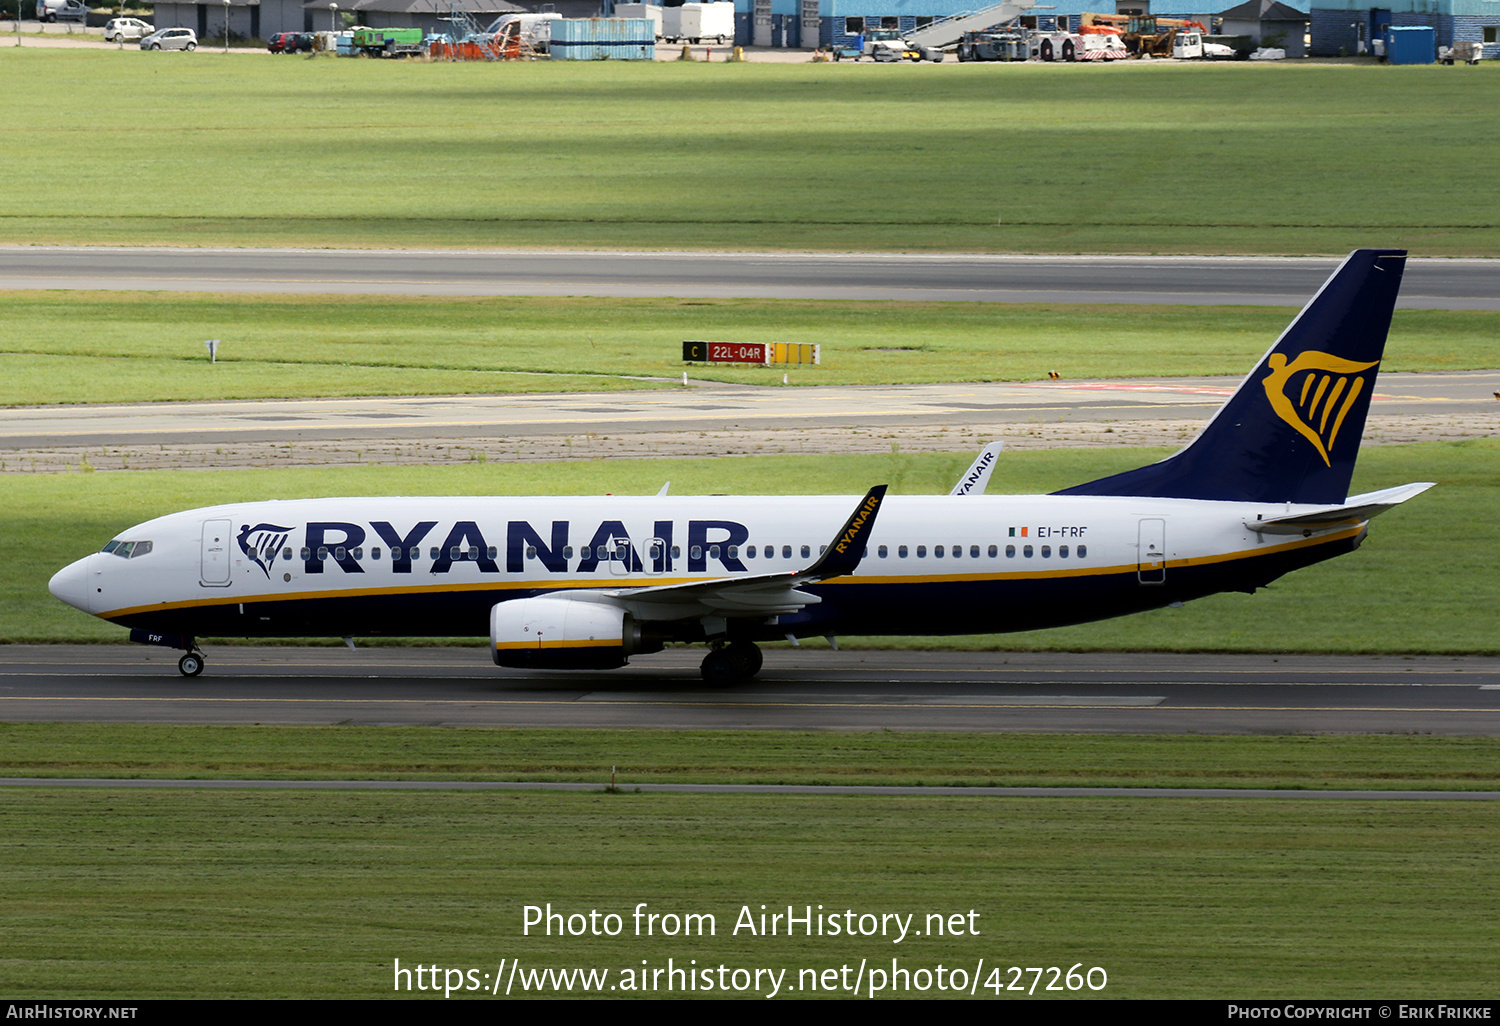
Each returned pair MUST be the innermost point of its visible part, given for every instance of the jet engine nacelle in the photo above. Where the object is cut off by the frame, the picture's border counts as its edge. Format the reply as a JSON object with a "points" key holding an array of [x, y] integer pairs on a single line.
{"points": [[553, 632]]}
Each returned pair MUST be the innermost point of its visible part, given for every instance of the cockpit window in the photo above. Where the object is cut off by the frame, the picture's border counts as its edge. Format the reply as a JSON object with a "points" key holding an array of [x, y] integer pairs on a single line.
{"points": [[128, 549]]}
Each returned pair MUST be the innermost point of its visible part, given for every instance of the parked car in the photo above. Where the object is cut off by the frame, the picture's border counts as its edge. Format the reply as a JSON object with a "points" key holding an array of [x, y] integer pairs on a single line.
{"points": [[62, 10], [117, 30], [292, 42], [171, 39]]}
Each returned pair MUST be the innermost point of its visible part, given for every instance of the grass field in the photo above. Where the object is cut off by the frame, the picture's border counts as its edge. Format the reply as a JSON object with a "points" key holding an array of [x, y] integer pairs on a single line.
{"points": [[114, 893], [195, 752], [133, 347], [1310, 158], [1425, 582]]}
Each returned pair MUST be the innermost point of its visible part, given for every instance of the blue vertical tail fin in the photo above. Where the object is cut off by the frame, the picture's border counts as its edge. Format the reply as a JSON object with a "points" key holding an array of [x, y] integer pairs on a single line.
{"points": [[1291, 431]]}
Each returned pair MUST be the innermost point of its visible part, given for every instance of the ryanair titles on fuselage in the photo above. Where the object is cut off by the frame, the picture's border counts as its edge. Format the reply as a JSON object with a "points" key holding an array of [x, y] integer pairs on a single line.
{"points": [[343, 543]]}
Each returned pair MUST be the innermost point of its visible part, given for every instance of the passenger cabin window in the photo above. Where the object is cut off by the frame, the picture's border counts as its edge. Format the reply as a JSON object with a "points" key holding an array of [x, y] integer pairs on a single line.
{"points": [[1010, 552], [786, 552], [883, 551], [806, 551], [921, 551], [1083, 551]]}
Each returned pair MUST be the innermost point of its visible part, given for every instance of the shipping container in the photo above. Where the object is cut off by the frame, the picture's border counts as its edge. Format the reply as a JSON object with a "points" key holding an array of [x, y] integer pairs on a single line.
{"points": [[600, 39]]}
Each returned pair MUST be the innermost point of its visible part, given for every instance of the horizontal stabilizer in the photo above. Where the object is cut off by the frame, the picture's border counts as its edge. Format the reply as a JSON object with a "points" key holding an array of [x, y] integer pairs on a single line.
{"points": [[1357, 509]]}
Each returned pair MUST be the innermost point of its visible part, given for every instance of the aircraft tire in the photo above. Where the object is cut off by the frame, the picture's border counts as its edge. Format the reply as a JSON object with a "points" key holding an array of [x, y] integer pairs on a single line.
{"points": [[747, 657], [720, 669], [190, 665]]}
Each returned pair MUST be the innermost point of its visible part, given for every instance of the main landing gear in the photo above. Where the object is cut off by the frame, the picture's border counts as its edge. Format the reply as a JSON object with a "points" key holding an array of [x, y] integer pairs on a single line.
{"points": [[729, 664]]}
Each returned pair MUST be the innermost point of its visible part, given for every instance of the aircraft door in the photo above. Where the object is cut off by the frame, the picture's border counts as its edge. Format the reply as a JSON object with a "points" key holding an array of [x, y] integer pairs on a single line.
{"points": [[621, 557], [1151, 567], [215, 548], [656, 556]]}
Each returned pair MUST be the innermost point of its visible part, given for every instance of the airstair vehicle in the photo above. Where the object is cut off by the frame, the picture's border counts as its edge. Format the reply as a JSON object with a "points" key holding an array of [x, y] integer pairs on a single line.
{"points": [[947, 31]]}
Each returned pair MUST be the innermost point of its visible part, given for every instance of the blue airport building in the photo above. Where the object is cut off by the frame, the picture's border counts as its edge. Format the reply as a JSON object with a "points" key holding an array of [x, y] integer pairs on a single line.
{"points": [[1335, 27]]}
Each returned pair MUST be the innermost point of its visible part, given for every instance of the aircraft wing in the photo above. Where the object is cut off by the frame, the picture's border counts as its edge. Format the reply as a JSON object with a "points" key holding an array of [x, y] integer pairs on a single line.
{"points": [[1356, 508], [761, 595]]}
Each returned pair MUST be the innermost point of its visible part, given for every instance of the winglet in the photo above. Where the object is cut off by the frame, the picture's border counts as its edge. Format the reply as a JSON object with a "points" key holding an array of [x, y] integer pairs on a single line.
{"points": [[848, 547], [977, 477]]}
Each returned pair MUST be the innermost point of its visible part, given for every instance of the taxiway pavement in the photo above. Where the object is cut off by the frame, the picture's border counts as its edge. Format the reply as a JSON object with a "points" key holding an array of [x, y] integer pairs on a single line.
{"points": [[1451, 284]]}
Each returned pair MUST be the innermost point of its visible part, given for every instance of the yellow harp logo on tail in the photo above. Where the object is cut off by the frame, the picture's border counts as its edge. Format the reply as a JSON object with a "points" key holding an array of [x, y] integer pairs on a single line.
{"points": [[1325, 392]]}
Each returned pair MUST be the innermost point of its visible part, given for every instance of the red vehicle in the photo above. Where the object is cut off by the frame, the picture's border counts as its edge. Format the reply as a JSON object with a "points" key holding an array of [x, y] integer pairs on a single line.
{"points": [[291, 42]]}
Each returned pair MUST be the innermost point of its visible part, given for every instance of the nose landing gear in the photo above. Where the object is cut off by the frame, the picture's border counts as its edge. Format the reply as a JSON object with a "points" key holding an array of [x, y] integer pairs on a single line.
{"points": [[191, 664]]}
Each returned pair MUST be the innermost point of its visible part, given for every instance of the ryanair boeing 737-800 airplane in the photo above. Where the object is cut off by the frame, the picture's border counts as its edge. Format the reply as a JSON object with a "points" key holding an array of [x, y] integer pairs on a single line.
{"points": [[589, 582]]}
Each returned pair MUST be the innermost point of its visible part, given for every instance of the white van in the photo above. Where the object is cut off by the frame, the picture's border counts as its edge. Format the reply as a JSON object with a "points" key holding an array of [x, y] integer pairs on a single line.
{"points": [[62, 10]]}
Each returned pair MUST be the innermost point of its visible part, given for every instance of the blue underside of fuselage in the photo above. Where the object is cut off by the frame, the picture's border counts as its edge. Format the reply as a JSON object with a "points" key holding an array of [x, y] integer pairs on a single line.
{"points": [[936, 607]]}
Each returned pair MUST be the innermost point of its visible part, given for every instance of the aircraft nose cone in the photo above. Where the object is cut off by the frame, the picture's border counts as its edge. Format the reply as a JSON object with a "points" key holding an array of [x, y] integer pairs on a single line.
{"points": [[71, 585]]}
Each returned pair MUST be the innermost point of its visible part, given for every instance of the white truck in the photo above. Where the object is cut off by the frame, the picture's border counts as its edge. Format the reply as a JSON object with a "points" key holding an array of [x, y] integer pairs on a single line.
{"points": [[1191, 46], [886, 45], [695, 23]]}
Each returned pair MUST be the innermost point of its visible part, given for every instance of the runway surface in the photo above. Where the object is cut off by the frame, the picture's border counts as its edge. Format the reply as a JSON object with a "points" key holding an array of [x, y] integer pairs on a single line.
{"points": [[751, 408], [1260, 281], [812, 688]]}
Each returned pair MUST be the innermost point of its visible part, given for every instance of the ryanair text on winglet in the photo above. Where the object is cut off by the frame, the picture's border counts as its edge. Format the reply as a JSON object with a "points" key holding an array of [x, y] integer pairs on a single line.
{"points": [[865, 513]]}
